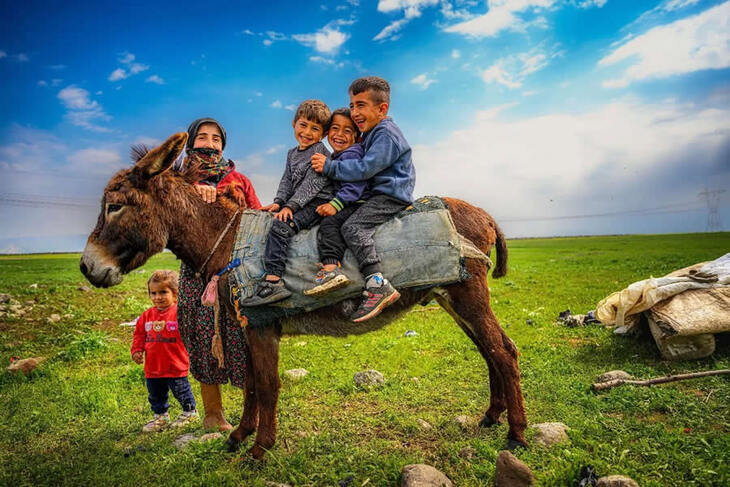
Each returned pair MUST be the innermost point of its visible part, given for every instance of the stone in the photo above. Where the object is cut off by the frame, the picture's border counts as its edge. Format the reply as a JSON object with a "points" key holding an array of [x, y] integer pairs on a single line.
{"points": [[54, 318], [550, 433], [295, 374], [468, 453], [464, 421], [84, 289], [420, 475], [616, 481], [183, 440], [512, 472], [411, 333], [424, 425], [34, 285], [613, 375], [210, 436], [4, 298], [368, 378], [25, 365], [274, 484]]}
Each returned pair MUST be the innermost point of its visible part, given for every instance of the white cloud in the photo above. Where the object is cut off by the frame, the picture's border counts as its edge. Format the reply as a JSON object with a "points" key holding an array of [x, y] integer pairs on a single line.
{"points": [[135, 68], [677, 4], [598, 3], [248, 32], [411, 10], [155, 79], [455, 54], [118, 74], [276, 104], [697, 43], [95, 161], [501, 15], [511, 71], [275, 36], [56, 81], [42, 83], [326, 40], [291, 108], [267, 42], [126, 57], [148, 141], [423, 81], [22, 57], [3, 54], [82, 111], [624, 155], [530, 93]]}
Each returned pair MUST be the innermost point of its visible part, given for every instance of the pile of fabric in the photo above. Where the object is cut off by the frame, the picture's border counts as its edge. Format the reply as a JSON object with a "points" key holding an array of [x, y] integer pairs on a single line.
{"points": [[684, 309]]}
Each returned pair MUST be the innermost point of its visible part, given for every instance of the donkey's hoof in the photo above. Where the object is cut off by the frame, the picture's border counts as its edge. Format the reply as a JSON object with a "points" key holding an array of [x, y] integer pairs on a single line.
{"points": [[513, 445], [488, 422], [233, 445], [257, 452]]}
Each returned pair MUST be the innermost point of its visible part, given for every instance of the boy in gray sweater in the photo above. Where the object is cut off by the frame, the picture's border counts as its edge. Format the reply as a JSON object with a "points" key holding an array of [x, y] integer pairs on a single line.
{"points": [[301, 191]]}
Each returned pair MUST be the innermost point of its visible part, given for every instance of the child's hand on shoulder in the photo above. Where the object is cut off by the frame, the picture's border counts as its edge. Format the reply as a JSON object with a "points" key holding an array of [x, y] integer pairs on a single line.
{"points": [[284, 215], [318, 161], [138, 357], [272, 207], [208, 193], [326, 210]]}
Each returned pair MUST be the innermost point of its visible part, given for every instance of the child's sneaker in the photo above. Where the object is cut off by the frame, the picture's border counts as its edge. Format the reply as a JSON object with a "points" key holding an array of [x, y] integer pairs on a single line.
{"points": [[158, 422], [267, 292], [376, 299], [327, 281], [186, 418]]}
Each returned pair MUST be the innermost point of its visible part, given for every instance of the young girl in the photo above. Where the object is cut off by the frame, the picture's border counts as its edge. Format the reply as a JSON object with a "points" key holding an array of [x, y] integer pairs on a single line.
{"points": [[157, 342]]}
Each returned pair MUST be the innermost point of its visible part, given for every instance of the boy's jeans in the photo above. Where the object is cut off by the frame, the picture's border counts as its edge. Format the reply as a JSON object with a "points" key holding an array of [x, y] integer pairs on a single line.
{"points": [[330, 244], [180, 388], [359, 229], [281, 234]]}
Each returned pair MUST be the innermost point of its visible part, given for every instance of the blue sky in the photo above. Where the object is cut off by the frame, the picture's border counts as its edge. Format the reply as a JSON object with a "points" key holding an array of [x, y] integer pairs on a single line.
{"points": [[559, 117]]}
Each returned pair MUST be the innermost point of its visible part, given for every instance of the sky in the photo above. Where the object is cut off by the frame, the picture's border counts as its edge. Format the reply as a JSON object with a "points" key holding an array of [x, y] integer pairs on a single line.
{"points": [[558, 117]]}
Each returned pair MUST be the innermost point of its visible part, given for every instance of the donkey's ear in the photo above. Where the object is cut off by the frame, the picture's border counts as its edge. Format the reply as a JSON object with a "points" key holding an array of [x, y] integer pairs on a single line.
{"points": [[161, 158]]}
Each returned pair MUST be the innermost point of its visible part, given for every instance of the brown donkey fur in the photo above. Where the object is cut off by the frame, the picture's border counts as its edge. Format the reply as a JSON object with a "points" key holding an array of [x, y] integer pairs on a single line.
{"points": [[146, 208]]}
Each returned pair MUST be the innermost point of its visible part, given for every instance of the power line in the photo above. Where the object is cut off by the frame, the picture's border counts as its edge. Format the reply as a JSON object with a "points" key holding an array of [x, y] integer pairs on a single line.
{"points": [[37, 201]]}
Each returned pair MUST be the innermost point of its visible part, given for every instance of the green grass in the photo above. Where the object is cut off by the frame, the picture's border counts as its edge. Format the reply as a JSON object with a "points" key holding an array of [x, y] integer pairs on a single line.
{"points": [[72, 420]]}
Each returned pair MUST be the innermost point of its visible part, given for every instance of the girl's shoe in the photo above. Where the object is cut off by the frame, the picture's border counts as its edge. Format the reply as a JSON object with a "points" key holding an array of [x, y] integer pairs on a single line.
{"points": [[158, 423], [327, 281], [186, 418]]}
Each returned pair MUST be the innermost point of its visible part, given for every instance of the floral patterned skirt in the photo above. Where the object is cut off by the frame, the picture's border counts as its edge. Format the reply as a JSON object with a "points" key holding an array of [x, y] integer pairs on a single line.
{"points": [[197, 327]]}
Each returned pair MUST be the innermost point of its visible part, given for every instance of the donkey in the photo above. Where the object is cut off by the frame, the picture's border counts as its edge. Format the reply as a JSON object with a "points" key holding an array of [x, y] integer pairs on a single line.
{"points": [[147, 208]]}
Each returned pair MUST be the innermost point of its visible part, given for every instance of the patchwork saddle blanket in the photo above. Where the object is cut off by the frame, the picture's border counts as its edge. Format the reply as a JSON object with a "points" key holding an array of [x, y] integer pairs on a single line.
{"points": [[419, 247]]}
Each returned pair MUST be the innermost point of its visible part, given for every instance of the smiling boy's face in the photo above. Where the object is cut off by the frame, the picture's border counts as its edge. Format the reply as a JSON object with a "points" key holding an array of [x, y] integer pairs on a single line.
{"points": [[365, 112], [342, 133], [307, 132]]}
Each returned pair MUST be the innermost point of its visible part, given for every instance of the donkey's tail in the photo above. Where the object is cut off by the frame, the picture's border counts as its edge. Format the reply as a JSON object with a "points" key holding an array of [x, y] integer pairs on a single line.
{"points": [[500, 269]]}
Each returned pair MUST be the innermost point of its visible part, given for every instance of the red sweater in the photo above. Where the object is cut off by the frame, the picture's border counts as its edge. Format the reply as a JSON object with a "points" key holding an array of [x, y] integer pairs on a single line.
{"points": [[241, 186], [157, 335]]}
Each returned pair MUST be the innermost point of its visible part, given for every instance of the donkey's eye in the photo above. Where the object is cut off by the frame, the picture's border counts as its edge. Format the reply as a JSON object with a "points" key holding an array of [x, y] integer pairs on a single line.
{"points": [[112, 208]]}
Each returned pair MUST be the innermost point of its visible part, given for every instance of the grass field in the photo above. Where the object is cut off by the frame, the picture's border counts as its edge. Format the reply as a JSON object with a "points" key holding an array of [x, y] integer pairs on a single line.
{"points": [[76, 419]]}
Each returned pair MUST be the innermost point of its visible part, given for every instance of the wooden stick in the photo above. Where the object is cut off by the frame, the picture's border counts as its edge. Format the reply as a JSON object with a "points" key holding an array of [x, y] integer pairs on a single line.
{"points": [[601, 386]]}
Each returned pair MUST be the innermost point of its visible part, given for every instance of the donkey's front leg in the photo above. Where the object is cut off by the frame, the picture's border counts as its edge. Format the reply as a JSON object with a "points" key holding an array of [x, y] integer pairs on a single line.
{"points": [[264, 344]]}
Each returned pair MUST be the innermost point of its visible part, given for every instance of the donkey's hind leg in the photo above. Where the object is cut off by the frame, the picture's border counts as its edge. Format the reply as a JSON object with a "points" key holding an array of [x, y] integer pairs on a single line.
{"points": [[264, 348], [470, 302], [250, 416], [497, 403]]}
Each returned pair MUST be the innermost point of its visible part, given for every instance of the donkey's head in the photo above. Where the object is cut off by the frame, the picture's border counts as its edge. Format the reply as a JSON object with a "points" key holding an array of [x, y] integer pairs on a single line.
{"points": [[131, 226]]}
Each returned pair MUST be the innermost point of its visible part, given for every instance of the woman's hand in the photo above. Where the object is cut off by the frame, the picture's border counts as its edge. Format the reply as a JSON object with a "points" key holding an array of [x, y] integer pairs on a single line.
{"points": [[326, 210], [208, 193], [272, 207], [138, 357], [284, 215]]}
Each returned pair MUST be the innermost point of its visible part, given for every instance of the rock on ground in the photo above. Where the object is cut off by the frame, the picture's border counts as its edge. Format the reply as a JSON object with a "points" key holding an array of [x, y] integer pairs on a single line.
{"points": [[420, 475], [295, 374], [512, 472], [613, 375], [463, 421], [468, 453], [550, 433], [424, 425], [183, 440], [5, 298], [616, 481], [274, 484], [84, 289], [54, 318], [25, 365], [368, 378], [210, 436]]}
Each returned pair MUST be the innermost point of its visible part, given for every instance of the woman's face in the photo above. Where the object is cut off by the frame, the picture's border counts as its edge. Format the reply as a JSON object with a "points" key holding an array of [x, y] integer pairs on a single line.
{"points": [[209, 137]]}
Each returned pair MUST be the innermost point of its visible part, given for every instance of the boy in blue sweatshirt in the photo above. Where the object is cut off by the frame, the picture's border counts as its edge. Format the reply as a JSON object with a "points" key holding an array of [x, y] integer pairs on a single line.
{"points": [[342, 136], [388, 168]]}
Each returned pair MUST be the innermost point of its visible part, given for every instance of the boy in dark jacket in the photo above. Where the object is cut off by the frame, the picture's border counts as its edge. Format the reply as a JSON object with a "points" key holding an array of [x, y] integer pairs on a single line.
{"points": [[301, 191], [388, 168]]}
